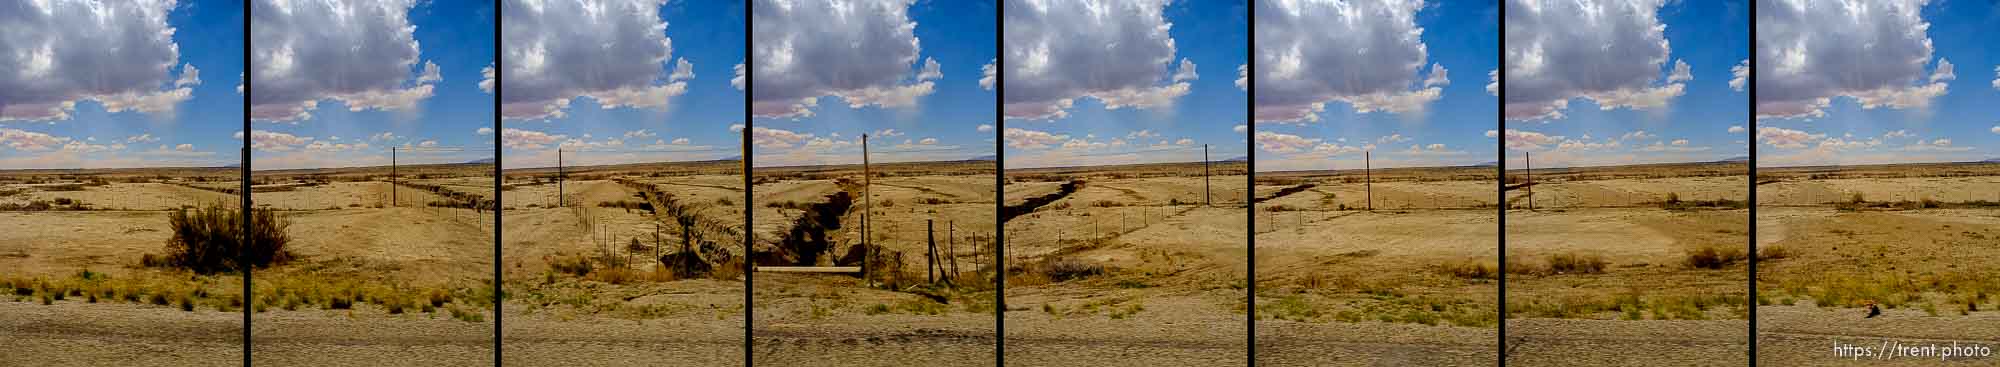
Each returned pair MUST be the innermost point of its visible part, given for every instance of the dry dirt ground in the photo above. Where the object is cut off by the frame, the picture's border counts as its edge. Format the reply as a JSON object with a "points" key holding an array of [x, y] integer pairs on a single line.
{"points": [[382, 246], [1129, 270], [1341, 285], [120, 313], [128, 219], [1643, 294], [897, 318], [1928, 267], [638, 316]]}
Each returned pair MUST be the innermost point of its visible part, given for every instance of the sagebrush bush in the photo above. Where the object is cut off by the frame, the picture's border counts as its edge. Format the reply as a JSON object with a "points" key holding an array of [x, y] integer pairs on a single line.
{"points": [[1711, 257], [1064, 269], [1471, 269], [1773, 252], [211, 240], [1577, 263]]}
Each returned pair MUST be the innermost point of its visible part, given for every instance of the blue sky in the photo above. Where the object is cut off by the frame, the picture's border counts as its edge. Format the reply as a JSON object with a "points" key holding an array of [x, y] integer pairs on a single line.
{"points": [[1400, 119], [1626, 104], [691, 122], [191, 131], [1937, 113], [1080, 93], [349, 121], [889, 92]]}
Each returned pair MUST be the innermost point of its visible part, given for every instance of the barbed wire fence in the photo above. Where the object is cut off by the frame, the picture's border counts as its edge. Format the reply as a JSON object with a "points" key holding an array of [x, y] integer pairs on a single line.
{"points": [[651, 235], [565, 162]]}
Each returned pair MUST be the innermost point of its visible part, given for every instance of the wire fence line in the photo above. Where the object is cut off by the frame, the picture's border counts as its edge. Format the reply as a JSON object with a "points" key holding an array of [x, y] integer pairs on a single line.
{"points": [[1086, 233]]}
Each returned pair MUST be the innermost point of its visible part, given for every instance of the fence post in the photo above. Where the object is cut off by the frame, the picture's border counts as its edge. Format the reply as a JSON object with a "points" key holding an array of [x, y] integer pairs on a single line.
{"points": [[951, 245], [930, 252]]}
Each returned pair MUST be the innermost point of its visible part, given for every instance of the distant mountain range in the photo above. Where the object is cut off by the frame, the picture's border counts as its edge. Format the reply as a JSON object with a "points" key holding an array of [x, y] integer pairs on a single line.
{"points": [[1736, 159], [988, 157], [1487, 164], [481, 161], [1991, 160], [1237, 159]]}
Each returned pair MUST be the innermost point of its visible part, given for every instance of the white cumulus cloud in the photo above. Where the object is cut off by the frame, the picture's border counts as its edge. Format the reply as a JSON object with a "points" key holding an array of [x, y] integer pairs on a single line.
{"points": [[614, 51], [1116, 51], [861, 51], [1308, 55], [363, 53], [1612, 52], [1874, 52], [118, 53]]}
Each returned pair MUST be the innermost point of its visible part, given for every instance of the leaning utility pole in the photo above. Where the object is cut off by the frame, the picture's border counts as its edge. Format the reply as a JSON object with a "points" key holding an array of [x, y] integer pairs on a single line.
{"points": [[1529, 159], [1204, 176]]}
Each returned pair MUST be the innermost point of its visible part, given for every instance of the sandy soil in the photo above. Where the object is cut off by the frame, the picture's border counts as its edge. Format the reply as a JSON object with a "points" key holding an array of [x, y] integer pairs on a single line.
{"points": [[557, 318], [422, 246], [1803, 335], [1575, 342], [1821, 192], [1629, 192], [1685, 315], [73, 333], [341, 195], [835, 318], [1282, 343], [1341, 286], [43, 243], [125, 196], [1912, 262], [1172, 289]]}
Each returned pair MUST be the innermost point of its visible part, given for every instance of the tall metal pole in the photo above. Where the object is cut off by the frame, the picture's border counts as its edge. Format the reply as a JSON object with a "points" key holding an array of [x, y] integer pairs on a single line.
{"points": [[1204, 176], [867, 204], [1368, 178], [392, 178], [1529, 159], [559, 178]]}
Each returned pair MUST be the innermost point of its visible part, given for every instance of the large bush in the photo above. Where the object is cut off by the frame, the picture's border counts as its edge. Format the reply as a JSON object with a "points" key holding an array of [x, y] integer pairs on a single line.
{"points": [[210, 240]]}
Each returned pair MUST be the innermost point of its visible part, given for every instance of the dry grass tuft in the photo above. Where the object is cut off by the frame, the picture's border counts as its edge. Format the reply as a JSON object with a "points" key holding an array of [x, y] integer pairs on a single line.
{"points": [[1470, 269], [1712, 257], [1574, 263]]}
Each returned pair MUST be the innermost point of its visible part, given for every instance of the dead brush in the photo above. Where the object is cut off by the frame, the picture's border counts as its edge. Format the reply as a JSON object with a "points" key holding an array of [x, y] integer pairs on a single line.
{"points": [[1713, 257], [1773, 252], [1470, 269], [1574, 263]]}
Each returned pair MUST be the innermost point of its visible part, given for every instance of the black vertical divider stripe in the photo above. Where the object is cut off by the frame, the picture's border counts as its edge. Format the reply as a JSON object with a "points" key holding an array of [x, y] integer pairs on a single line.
{"points": [[1000, 187], [1500, 189], [1752, 182], [244, 158], [1249, 202], [749, 270], [499, 295]]}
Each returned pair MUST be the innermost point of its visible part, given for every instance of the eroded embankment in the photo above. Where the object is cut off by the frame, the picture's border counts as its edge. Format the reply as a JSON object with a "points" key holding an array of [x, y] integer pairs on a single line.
{"points": [[1031, 204], [808, 238], [1286, 191]]}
